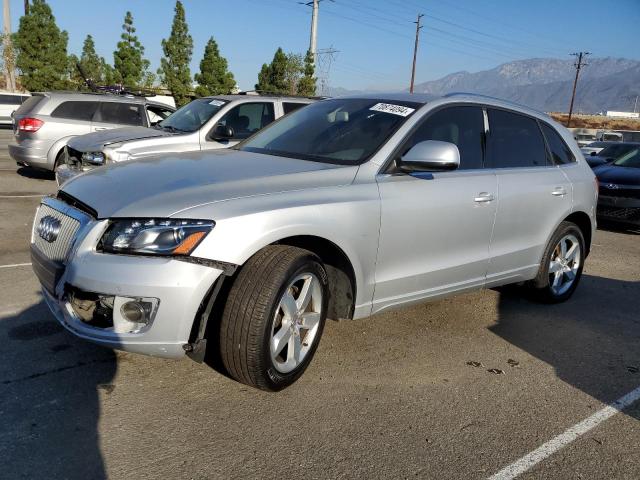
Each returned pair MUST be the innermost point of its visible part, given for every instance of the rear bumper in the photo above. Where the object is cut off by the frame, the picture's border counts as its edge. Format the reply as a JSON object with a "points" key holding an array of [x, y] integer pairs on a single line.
{"points": [[31, 156]]}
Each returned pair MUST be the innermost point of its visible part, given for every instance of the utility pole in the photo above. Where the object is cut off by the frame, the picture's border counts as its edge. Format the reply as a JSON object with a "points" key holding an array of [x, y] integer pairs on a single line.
{"points": [[9, 63], [26, 7], [415, 52], [313, 41], [579, 64]]}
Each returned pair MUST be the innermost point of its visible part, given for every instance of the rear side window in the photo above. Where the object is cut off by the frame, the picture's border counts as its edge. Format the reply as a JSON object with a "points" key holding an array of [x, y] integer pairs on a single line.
{"points": [[75, 110], [291, 106], [560, 152], [121, 113], [463, 126], [514, 141]]}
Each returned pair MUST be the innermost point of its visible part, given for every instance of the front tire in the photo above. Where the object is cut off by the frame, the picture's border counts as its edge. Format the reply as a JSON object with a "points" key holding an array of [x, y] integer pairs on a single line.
{"points": [[561, 267], [274, 317]]}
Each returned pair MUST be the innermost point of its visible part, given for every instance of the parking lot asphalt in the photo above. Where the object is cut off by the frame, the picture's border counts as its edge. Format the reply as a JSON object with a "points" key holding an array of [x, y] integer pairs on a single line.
{"points": [[459, 388]]}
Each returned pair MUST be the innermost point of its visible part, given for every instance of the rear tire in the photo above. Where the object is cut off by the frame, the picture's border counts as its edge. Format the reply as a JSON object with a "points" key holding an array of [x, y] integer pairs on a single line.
{"points": [[59, 162], [273, 317], [561, 267]]}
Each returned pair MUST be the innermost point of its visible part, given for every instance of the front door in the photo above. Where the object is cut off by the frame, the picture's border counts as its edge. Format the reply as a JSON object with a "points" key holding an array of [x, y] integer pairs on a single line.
{"points": [[436, 228]]}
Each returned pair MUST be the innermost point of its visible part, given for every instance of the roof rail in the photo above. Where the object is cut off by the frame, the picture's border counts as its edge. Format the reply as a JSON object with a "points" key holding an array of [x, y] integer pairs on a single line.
{"points": [[272, 94], [489, 97]]}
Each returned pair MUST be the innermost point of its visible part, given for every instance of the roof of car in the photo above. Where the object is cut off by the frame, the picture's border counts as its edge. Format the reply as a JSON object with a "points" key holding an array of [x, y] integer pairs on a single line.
{"points": [[424, 98], [92, 96], [252, 97]]}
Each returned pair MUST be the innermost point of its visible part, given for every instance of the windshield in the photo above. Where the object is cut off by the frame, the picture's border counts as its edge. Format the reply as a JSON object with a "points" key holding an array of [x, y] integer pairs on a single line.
{"points": [[342, 131], [192, 116], [631, 159], [614, 151]]}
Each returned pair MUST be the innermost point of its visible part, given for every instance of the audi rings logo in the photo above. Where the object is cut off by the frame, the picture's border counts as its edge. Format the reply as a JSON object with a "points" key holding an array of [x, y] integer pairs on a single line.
{"points": [[49, 228]]}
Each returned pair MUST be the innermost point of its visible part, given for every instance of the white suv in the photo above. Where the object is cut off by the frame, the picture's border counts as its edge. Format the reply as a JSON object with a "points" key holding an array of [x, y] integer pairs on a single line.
{"points": [[343, 209]]}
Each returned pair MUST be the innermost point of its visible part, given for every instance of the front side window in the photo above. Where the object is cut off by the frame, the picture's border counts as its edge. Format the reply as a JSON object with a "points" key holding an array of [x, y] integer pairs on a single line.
{"points": [[75, 110], [514, 140], [462, 126], [248, 118], [193, 115], [341, 131], [121, 113], [560, 152]]}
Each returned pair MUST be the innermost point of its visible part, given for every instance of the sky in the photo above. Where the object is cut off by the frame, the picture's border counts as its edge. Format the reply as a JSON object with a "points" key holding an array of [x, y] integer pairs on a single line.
{"points": [[374, 38]]}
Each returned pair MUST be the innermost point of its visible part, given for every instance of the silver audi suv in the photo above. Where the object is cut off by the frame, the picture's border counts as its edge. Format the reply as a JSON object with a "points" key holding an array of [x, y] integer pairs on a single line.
{"points": [[343, 209]]}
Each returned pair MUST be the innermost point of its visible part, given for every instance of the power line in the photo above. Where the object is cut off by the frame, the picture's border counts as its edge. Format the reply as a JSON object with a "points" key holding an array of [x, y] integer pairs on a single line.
{"points": [[579, 64]]}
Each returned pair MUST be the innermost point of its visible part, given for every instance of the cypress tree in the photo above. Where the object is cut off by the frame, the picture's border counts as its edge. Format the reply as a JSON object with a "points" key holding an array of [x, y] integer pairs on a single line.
{"points": [[128, 59], [273, 77], [174, 66], [90, 62], [307, 84], [42, 50], [214, 78]]}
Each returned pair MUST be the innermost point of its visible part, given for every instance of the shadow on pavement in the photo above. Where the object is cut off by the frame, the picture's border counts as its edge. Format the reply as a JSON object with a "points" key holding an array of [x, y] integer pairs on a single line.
{"points": [[49, 398], [592, 340], [35, 173], [618, 227]]}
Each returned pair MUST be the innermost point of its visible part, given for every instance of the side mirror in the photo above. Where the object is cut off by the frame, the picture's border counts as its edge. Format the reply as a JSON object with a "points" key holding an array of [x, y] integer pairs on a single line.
{"points": [[593, 154], [222, 132], [430, 156]]}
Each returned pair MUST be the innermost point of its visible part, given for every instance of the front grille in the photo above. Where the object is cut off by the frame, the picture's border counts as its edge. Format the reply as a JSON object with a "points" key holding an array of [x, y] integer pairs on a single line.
{"points": [[58, 249], [629, 214]]}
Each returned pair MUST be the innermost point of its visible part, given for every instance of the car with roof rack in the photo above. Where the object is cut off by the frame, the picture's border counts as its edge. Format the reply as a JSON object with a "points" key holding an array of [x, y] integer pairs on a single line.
{"points": [[206, 123], [343, 209], [45, 122]]}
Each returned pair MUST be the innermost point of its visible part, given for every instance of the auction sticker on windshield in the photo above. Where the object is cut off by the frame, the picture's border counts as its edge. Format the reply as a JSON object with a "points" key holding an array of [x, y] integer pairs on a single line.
{"points": [[394, 109], [216, 103]]}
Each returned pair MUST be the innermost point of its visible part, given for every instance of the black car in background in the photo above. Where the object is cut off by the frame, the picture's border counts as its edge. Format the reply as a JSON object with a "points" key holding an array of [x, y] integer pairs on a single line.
{"points": [[619, 199], [611, 153]]}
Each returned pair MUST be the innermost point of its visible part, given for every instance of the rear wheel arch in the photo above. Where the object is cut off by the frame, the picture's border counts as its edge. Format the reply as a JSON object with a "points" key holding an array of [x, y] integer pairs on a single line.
{"points": [[583, 221]]}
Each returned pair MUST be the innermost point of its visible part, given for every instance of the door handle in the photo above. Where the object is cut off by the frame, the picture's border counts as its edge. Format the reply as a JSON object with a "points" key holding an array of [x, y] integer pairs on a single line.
{"points": [[484, 197], [559, 191]]}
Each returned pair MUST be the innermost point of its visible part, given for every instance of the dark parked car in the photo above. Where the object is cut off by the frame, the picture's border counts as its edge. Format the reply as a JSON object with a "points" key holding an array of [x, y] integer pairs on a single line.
{"points": [[619, 181], [611, 153]]}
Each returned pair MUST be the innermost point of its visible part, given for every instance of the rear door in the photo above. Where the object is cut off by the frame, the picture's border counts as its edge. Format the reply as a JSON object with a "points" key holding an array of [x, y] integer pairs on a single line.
{"points": [[436, 227], [118, 114], [533, 195]]}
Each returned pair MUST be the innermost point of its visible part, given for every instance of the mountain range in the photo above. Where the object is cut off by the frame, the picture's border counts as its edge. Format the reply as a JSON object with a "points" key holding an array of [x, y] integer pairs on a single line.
{"points": [[546, 83]]}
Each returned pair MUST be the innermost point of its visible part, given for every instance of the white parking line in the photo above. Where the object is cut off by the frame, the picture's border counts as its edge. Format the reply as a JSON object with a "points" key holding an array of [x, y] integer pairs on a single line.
{"points": [[15, 265], [23, 196], [528, 461]]}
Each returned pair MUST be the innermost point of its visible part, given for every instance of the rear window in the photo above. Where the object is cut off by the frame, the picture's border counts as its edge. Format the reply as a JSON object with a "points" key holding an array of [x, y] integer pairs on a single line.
{"points": [[11, 99], [291, 106], [560, 152], [514, 141], [75, 110], [29, 104], [121, 113]]}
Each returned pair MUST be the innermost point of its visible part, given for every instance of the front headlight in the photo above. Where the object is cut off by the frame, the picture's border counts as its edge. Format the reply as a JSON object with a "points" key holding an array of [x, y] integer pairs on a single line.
{"points": [[94, 158], [154, 236]]}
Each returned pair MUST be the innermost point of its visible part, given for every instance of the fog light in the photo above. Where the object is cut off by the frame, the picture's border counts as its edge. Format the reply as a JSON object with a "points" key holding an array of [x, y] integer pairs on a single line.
{"points": [[133, 315], [134, 312]]}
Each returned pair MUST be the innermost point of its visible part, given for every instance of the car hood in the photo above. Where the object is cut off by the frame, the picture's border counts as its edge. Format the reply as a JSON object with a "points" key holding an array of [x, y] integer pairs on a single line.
{"points": [[617, 175], [94, 142], [166, 186]]}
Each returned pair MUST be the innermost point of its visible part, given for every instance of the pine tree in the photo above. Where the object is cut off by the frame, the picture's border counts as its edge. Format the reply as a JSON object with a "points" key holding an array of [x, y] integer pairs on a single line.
{"points": [[42, 50], [273, 77], [128, 59], [109, 74], [90, 62], [214, 78], [307, 84], [174, 66]]}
